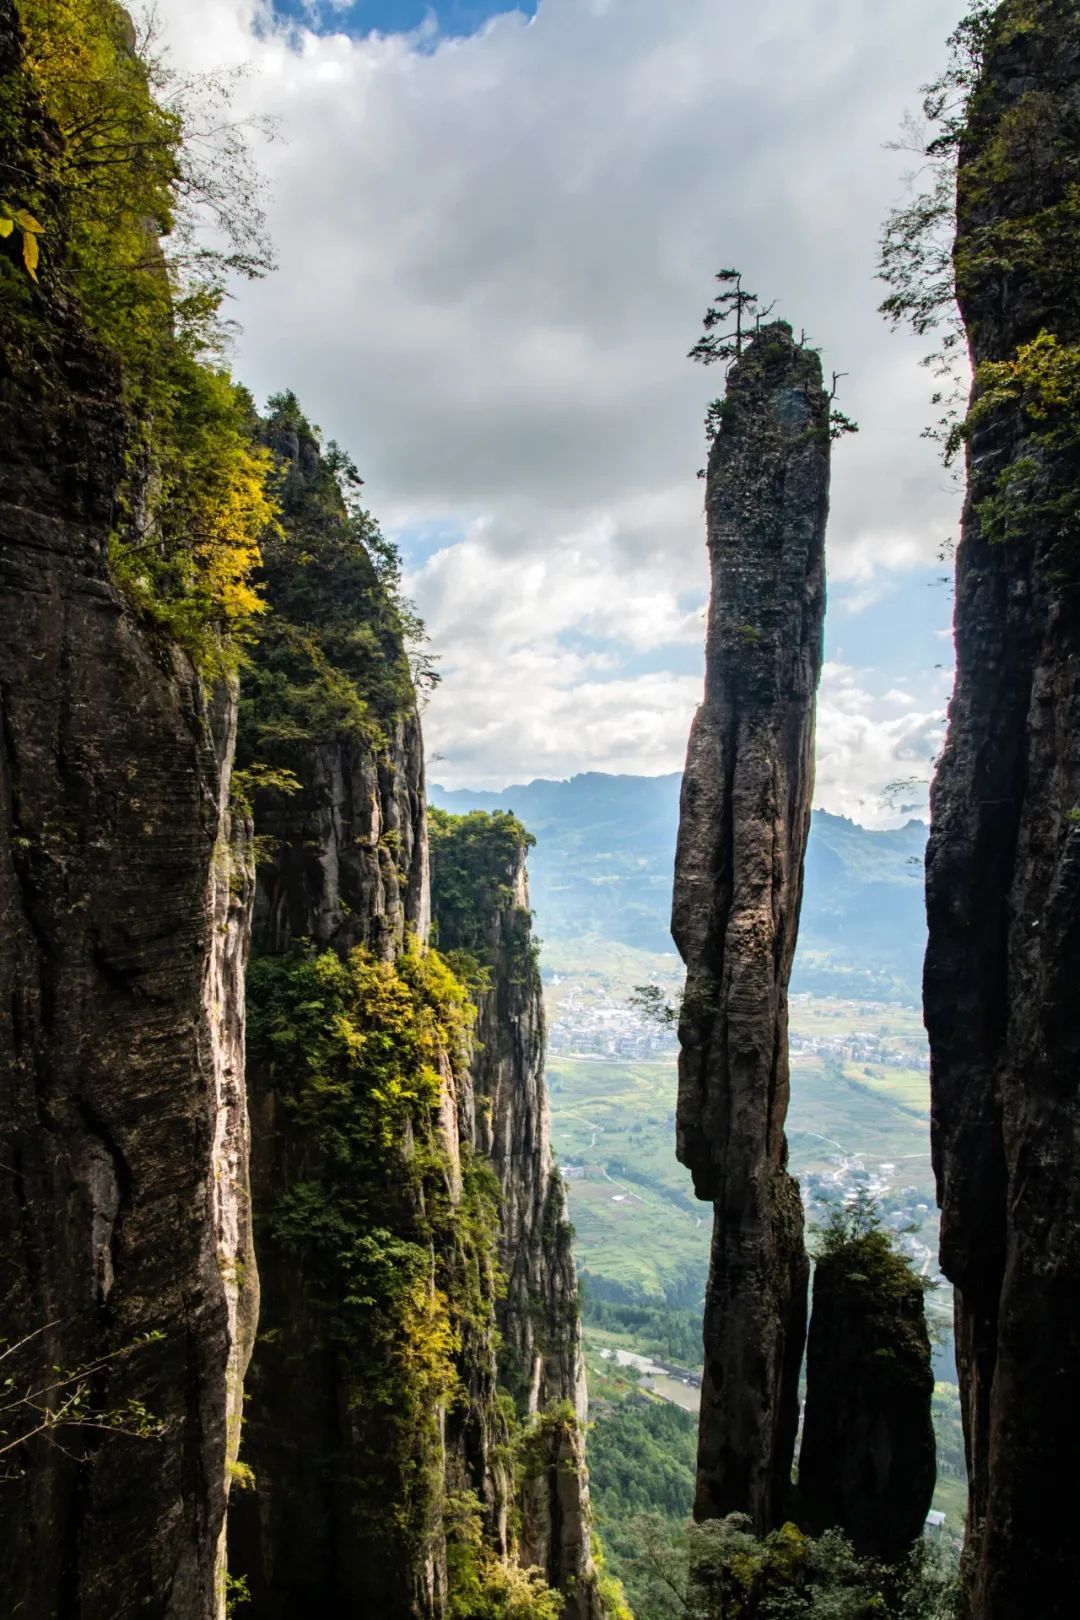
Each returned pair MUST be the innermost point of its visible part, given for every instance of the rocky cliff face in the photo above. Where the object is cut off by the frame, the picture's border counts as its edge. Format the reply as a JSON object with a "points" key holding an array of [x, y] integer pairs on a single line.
{"points": [[124, 896], [481, 905], [866, 1462], [347, 1499], [400, 1156], [1003, 864], [744, 819]]}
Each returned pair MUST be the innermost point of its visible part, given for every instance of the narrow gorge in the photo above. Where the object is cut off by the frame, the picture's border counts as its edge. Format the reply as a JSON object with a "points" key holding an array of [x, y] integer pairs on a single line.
{"points": [[290, 1315], [388, 1243]]}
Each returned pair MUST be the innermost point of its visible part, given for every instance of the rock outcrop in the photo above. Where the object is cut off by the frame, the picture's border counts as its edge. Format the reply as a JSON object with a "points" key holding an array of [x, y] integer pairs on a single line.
{"points": [[480, 903], [867, 1459], [1003, 863], [124, 896], [401, 1162], [744, 819], [345, 1507]]}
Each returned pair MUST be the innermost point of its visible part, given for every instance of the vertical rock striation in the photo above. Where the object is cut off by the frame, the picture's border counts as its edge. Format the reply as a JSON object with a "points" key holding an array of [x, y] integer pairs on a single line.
{"points": [[744, 819], [1003, 863], [337, 1516], [123, 931], [480, 902]]}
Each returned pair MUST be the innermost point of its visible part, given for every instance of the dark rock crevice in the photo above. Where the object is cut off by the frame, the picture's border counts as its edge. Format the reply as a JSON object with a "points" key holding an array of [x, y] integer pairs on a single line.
{"points": [[1003, 899], [743, 825]]}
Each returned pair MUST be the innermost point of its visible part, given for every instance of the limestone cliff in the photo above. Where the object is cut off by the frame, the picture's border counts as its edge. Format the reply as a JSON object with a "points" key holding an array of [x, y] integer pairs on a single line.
{"points": [[125, 1269], [400, 1158], [1003, 863], [744, 820], [480, 902], [355, 1165]]}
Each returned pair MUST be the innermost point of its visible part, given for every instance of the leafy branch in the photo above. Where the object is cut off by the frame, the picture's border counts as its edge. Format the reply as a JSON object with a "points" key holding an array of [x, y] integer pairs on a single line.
{"points": [[55, 1401]]}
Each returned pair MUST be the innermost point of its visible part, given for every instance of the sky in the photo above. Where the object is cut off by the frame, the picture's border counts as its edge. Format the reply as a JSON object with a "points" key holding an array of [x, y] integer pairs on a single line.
{"points": [[496, 232]]}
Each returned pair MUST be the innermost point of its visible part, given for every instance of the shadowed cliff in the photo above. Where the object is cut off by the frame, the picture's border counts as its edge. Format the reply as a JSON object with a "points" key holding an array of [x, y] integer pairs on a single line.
{"points": [[1003, 863], [744, 819], [124, 898], [480, 905]]}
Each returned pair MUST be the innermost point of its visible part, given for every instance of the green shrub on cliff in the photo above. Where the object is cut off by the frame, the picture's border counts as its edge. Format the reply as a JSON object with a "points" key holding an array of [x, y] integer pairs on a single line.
{"points": [[341, 651], [1010, 178], [482, 1586], [853, 1243], [721, 1571], [474, 859], [140, 162], [401, 1271]]}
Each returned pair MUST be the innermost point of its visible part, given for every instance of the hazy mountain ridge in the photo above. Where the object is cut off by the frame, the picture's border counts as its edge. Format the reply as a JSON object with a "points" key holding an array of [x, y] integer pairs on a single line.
{"points": [[605, 853]]}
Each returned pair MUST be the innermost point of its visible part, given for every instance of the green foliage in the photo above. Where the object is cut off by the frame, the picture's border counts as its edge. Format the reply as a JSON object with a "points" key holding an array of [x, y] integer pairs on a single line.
{"points": [[482, 1586], [853, 1238], [400, 1272], [609, 1588], [334, 655], [732, 303], [245, 783], [855, 1249], [1014, 174], [720, 1571], [652, 1004], [189, 563], [1040, 390], [667, 1333], [916, 250], [735, 304], [62, 1407], [241, 1474], [474, 862], [138, 155], [237, 1593], [642, 1458]]}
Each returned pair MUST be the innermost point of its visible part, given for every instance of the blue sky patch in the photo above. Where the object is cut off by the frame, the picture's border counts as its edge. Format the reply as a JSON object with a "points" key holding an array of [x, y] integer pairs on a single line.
{"points": [[454, 17], [898, 639]]}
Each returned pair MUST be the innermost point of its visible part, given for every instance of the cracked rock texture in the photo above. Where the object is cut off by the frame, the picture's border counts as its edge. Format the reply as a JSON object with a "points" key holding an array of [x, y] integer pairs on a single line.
{"points": [[1003, 874], [744, 819], [124, 898], [540, 1357]]}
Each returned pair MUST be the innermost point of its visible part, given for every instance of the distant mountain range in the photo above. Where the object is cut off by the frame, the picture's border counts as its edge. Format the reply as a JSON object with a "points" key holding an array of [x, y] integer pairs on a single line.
{"points": [[605, 850]]}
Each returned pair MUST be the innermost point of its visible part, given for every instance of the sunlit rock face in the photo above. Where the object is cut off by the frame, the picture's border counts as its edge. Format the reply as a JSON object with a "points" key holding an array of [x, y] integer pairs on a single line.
{"points": [[744, 819], [1003, 863]]}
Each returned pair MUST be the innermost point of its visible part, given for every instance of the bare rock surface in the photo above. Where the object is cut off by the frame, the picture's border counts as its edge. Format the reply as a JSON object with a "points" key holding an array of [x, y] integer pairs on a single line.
{"points": [[540, 1357], [1003, 864], [744, 819], [124, 901]]}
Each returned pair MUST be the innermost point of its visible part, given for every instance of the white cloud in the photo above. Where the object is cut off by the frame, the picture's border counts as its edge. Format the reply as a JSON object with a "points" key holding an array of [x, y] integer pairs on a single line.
{"points": [[862, 746], [494, 253]]}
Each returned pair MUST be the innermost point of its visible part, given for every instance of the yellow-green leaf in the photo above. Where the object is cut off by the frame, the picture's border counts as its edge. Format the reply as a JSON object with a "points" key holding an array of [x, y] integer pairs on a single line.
{"points": [[30, 254], [27, 222], [6, 225]]}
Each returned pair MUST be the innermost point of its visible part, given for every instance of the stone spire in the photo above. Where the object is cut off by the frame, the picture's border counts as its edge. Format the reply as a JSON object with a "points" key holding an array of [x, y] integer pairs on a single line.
{"points": [[744, 819]]}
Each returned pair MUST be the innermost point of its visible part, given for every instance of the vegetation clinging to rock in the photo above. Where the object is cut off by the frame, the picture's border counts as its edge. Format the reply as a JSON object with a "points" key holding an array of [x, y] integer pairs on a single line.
{"points": [[475, 859], [396, 1264], [136, 155], [1015, 169]]}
